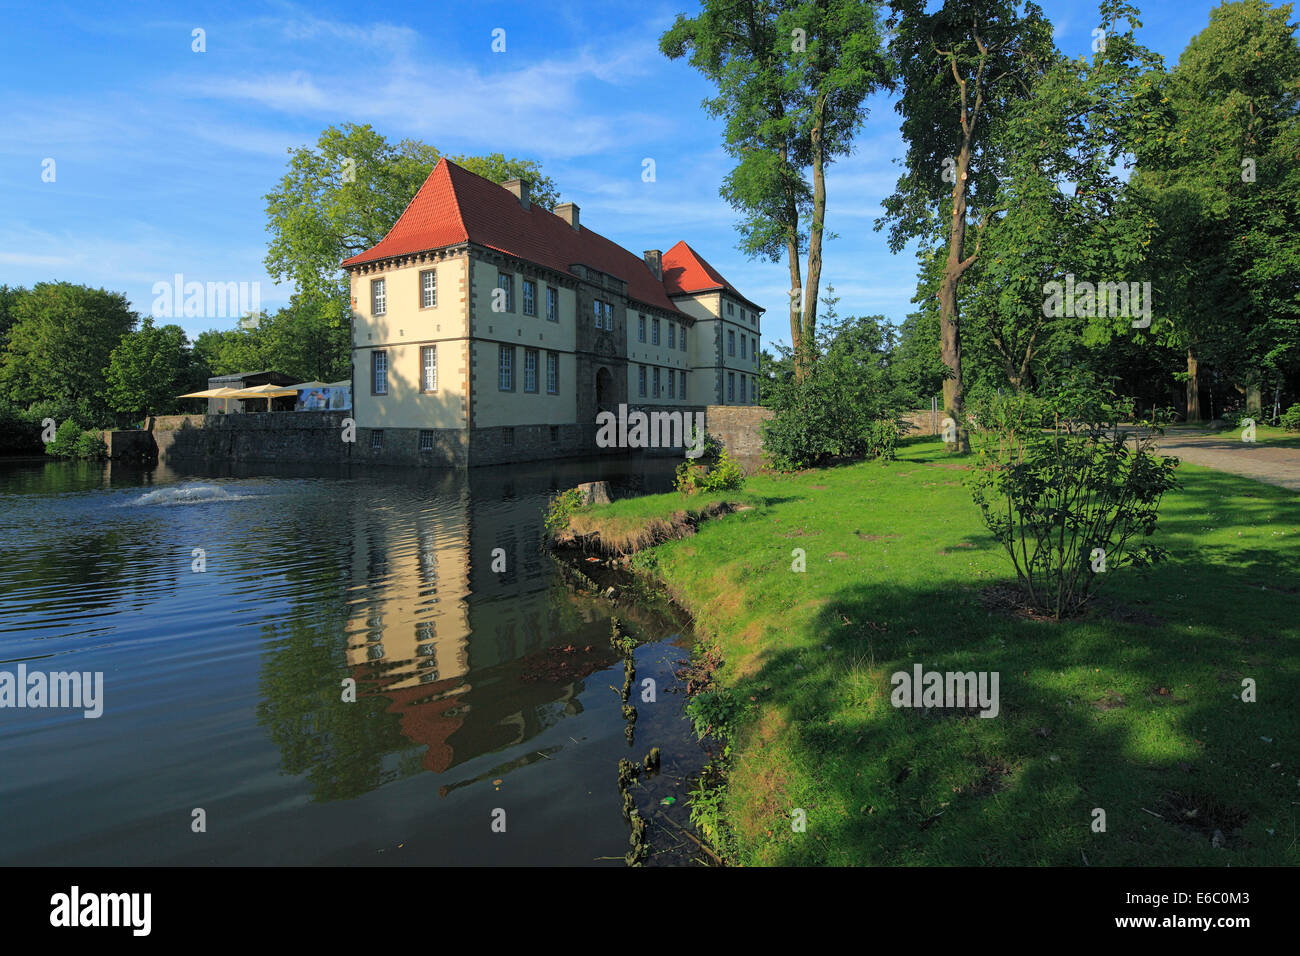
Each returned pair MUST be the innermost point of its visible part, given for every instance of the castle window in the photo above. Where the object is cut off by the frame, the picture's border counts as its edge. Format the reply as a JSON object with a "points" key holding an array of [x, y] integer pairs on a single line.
{"points": [[428, 289], [672, 335], [506, 368], [656, 391], [530, 297], [429, 368], [640, 380], [552, 304], [640, 329], [507, 282], [683, 338], [377, 439], [731, 342], [552, 373], [379, 372], [654, 333], [530, 370], [426, 441], [731, 386], [378, 297]]}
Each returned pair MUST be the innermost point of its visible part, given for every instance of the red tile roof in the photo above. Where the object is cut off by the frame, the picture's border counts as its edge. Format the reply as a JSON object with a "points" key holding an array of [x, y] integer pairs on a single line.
{"points": [[685, 270], [455, 206]]}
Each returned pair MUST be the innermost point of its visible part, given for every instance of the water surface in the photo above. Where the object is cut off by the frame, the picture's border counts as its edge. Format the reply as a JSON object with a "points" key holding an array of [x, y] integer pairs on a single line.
{"points": [[477, 690]]}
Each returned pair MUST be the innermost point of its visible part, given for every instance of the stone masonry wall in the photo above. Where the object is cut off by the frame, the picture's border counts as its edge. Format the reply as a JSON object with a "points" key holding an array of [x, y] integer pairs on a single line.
{"points": [[266, 436], [739, 428]]}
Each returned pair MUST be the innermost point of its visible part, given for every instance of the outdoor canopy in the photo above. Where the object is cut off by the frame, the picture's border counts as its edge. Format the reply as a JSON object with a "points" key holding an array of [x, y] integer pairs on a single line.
{"points": [[222, 393]]}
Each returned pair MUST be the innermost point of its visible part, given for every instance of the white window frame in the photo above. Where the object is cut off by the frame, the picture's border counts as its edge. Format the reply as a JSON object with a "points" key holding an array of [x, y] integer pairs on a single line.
{"points": [[429, 368]]}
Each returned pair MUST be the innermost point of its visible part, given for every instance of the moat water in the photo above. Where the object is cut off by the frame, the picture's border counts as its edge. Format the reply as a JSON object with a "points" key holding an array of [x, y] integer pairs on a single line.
{"points": [[230, 609]]}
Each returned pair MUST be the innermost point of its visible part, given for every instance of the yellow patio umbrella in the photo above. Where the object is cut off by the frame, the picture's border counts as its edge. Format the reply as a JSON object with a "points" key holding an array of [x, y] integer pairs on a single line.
{"points": [[223, 393], [267, 392]]}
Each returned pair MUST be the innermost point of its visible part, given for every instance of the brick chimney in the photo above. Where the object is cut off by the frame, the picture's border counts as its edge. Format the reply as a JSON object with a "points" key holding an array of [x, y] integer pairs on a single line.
{"points": [[568, 212], [520, 188], [654, 259]]}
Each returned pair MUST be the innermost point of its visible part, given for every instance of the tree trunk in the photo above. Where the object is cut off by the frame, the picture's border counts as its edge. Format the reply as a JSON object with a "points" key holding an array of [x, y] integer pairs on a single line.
{"points": [[792, 257], [1254, 401], [1193, 389], [949, 320], [815, 237]]}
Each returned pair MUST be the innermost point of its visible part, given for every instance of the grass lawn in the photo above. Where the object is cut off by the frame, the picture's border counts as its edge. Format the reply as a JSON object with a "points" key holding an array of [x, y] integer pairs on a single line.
{"points": [[1133, 708]]}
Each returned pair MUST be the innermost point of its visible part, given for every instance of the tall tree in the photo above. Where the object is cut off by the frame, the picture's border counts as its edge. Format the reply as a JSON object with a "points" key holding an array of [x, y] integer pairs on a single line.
{"points": [[59, 344], [1063, 208], [341, 197], [964, 66], [791, 79], [1225, 191], [148, 369]]}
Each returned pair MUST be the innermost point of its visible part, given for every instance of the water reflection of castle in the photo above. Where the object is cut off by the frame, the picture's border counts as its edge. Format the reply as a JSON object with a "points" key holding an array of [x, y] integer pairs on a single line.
{"points": [[470, 657]]}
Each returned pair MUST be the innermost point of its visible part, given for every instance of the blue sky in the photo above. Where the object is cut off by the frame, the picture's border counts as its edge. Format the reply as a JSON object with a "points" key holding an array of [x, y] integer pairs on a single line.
{"points": [[162, 155]]}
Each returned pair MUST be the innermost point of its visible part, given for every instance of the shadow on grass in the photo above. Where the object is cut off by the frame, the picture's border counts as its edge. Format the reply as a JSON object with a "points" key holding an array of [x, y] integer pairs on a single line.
{"points": [[1136, 714]]}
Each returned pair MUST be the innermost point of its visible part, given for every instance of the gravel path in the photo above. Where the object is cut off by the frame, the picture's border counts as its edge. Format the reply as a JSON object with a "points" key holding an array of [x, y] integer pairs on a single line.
{"points": [[1227, 452]]}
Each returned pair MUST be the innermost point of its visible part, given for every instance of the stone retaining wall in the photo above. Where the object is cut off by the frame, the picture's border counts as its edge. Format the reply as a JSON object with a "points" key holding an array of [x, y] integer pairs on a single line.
{"points": [[318, 436], [253, 436], [740, 429]]}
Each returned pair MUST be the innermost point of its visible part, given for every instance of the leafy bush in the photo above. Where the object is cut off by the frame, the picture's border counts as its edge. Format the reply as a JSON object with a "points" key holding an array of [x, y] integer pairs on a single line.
{"points": [[1290, 419], [1066, 492], [882, 439], [723, 475], [560, 508], [71, 442], [833, 412], [20, 433]]}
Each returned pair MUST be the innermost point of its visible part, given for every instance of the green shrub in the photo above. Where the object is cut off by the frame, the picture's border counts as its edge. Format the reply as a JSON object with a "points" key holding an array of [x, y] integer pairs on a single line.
{"points": [[20, 433], [71, 442], [1066, 500], [560, 508], [882, 439], [1290, 419], [723, 475]]}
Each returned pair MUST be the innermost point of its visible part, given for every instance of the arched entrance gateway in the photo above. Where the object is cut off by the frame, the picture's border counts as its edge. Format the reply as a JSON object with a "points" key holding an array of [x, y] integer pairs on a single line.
{"points": [[605, 397]]}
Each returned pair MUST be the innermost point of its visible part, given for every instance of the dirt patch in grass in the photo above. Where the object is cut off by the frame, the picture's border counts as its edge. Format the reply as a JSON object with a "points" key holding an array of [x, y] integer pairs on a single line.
{"points": [[800, 533], [877, 537], [591, 531], [1132, 615], [1010, 600], [996, 778], [1202, 815], [1163, 695], [1109, 701]]}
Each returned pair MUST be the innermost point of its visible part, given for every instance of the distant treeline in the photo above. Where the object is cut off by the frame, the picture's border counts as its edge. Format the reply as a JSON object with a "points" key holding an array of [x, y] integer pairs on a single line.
{"points": [[79, 355]]}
